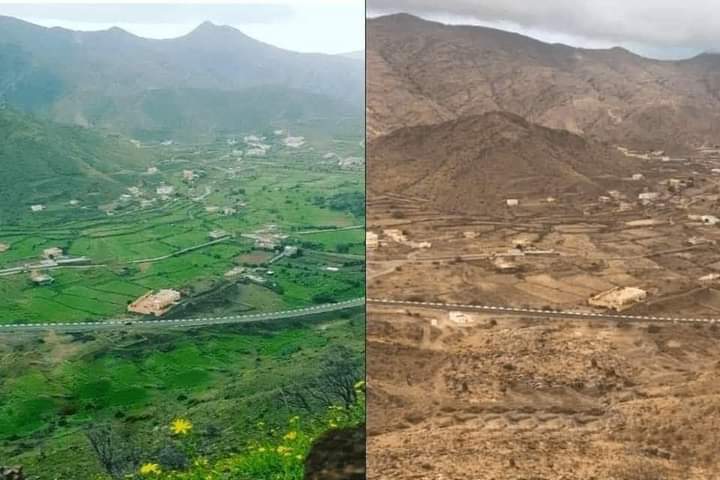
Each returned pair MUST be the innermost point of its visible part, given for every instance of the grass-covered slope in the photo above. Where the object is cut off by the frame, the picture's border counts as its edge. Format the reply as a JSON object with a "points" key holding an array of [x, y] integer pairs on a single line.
{"points": [[115, 80], [239, 386], [190, 115], [42, 161]]}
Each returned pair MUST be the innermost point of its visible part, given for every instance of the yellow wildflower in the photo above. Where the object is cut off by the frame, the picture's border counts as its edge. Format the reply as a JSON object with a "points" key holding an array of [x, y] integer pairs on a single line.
{"points": [[181, 426], [290, 435], [150, 469]]}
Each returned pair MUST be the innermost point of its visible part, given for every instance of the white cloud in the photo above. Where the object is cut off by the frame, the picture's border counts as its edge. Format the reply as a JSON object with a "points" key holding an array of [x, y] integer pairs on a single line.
{"points": [[661, 26], [327, 26]]}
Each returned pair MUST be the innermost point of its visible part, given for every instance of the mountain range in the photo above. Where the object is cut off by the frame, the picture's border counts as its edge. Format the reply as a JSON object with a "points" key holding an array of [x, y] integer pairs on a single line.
{"points": [[116, 80], [423, 72]]}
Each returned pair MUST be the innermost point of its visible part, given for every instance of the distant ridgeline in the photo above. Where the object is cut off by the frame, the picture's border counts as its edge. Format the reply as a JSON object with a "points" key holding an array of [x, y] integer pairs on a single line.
{"points": [[212, 80], [422, 72]]}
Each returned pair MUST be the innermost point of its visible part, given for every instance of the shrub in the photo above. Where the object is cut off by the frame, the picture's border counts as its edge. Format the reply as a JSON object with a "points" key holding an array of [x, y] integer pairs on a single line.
{"points": [[277, 456]]}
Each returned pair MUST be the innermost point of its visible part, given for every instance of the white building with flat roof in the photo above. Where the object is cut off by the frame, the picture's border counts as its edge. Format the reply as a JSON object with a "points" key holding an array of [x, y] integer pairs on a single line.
{"points": [[372, 240], [459, 318], [618, 298], [165, 190], [155, 303], [396, 235], [52, 253]]}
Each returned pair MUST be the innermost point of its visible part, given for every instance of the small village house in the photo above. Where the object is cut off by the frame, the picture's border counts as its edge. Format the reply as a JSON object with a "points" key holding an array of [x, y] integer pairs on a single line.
{"points": [[52, 253], [618, 298], [155, 303], [372, 240], [40, 279]]}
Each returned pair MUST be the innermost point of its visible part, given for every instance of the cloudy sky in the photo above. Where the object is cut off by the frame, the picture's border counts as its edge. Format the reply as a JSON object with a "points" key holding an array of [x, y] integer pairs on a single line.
{"points": [[328, 26], [655, 28]]}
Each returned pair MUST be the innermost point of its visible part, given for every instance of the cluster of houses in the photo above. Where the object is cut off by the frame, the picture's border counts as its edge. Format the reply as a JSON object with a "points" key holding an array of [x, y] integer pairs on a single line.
{"points": [[267, 238], [256, 146]]}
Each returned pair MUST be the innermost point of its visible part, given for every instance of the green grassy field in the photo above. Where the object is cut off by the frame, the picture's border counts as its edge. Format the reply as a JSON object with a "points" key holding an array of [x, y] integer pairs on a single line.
{"points": [[140, 242], [227, 379], [236, 383]]}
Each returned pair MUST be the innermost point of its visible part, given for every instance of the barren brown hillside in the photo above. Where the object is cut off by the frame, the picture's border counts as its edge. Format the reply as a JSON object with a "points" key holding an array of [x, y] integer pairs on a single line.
{"points": [[541, 400], [423, 72], [472, 163]]}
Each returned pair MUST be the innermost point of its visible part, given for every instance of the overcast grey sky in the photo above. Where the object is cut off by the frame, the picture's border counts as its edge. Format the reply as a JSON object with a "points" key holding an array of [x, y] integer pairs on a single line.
{"points": [[656, 28], [328, 26]]}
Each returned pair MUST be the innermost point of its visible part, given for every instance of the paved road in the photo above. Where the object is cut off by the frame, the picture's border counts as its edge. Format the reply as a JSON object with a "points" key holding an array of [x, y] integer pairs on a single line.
{"points": [[532, 312], [181, 252], [324, 230], [347, 256], [65, 263], [182, 322]]}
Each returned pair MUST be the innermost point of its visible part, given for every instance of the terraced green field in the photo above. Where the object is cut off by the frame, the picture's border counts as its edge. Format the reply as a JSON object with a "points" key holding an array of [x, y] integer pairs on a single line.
{"points": [[236, 382], [142, 241]]}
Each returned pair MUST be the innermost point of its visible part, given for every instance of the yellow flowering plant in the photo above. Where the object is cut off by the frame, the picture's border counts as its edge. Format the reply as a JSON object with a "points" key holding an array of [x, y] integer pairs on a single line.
{"points": [[181, 426], [277, 454], [150, 469]]}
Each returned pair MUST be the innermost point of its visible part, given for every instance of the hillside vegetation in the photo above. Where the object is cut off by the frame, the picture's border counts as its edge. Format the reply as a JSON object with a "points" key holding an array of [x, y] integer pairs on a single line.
{"points": [[116, 80], [184, 114], [239, 387], [42, 161]]}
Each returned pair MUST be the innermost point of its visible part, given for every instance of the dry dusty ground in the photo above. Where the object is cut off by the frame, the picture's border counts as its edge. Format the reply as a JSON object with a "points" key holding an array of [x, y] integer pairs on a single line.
{"points": [[520, 399], [548, 399], [574, 247]]}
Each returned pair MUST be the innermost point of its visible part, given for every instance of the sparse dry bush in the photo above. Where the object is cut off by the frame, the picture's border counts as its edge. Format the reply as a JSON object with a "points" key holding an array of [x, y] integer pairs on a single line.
{"points": [[653, 329], [639, 469]]}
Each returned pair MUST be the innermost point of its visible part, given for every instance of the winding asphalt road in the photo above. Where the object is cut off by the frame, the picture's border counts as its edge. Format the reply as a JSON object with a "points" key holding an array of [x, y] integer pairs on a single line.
{"points": [[181, 322], [333, 307], [540, 313]]}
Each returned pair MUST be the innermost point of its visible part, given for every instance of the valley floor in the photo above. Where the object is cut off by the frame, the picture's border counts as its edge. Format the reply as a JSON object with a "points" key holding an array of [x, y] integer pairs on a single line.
{"points": [[475, 394]]}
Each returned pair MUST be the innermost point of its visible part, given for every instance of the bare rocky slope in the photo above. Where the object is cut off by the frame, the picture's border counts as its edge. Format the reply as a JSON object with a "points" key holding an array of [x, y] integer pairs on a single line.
{"points": [[422, 72], [473, 163], [550, 401]]}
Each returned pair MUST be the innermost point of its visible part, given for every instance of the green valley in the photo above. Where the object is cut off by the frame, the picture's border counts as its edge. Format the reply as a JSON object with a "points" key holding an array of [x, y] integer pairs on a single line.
{"points": [[211, 221], [163, 203]]}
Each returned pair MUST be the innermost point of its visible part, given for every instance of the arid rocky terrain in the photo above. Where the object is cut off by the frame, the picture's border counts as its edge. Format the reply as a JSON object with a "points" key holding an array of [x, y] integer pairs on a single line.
{"points": [[473, 163], [518, 399], [422, 72], [506, 172]]}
